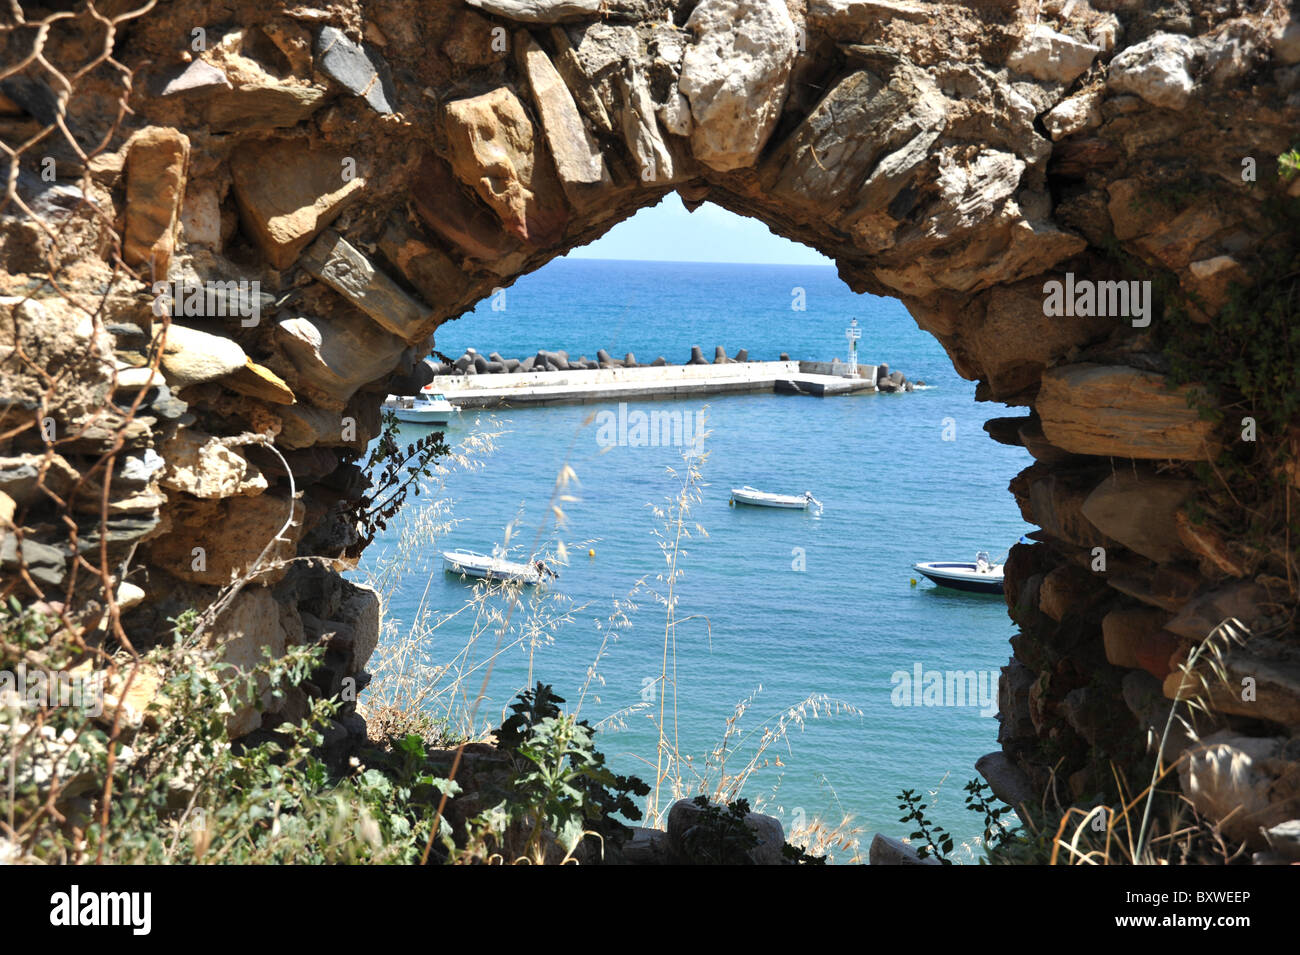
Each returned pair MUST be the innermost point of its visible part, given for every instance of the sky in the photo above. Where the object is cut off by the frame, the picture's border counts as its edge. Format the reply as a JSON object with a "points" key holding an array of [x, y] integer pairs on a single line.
{"points": [[668, 233]]}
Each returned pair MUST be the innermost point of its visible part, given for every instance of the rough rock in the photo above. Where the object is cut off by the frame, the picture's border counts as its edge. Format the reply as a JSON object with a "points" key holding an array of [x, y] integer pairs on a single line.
{"points": [[735, 75], [288, 194], [304, 425], [342, 267], [355, 67], [1286, 43], [1015, 723], [1008, 782], [684, 815], [645, 141], [26, 478], [1074, 115], [494, 150], [459, 219], [360, 606], [1014, 311], [157, 159], [1245, 601], [1230, 53], [1246, 784], [191, 357], [468, 42], [1136, 639], [258, 381], [1158, 69], [130, 694], [427, 268], [1047, 55], [231, 534], [578, 160], [197, 75], [1284, 839], [201, 223], [1090, 713], [1211, 280], [1216, 554], [259, 99], [862, 12], [1175, 240], [45, 565], [1055, 500], [647, 847], [1260, 681], [1066, 589], [822, 162], [887, 851], [1145, 699], [1116, 410], [334, 356], [1138, 510], [200, 465], [249, 626], [539, 11]]}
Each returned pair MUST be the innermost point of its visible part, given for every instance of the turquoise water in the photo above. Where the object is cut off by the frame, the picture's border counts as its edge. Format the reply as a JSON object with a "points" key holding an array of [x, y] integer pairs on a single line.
{"points": [[895, 491]]}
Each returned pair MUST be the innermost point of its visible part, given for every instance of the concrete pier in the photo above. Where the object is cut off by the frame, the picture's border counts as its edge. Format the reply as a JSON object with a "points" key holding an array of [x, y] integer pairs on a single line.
{"points": [[650, 382]]}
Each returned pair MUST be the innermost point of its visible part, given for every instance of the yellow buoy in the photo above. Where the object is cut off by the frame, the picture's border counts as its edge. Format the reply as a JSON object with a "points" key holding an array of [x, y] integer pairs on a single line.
{"points": [[591, 552], [913, 581]]}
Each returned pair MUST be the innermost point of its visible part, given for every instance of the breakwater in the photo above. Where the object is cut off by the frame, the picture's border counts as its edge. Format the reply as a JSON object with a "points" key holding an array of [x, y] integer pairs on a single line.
{"points": [[476, 381]]}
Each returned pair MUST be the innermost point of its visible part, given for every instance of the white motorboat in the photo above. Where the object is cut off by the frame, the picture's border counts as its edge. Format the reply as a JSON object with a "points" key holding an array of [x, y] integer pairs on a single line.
{"points": [[470, 563], [981, 576], [428, 407], [757, 498]]}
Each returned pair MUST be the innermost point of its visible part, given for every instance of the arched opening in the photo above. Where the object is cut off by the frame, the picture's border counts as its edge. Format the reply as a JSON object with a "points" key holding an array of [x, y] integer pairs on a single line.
{"points": [[1078, 203], [786, 617]]}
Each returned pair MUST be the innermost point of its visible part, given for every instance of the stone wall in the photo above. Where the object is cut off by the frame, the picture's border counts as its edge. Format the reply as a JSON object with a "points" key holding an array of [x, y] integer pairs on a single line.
{"points": [[377, 168]]}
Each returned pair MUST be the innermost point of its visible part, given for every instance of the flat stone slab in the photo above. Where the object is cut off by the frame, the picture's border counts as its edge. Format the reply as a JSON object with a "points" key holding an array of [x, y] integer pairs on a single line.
{"points": [[336, 262], [354, 67], [539, 11]]}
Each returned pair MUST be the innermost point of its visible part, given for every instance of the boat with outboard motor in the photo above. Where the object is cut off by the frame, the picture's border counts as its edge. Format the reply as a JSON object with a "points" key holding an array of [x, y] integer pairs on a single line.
{"points": [[756, 498], [980, 576], [470, 563]]}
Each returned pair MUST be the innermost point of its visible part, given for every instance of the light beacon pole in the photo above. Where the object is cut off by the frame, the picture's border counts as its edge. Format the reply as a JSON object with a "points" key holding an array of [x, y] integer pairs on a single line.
{"points": [[853, 333]]}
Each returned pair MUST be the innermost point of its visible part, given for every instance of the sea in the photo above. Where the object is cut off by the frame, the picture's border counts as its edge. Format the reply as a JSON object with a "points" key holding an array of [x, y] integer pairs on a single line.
{"points": [[810, 669]]}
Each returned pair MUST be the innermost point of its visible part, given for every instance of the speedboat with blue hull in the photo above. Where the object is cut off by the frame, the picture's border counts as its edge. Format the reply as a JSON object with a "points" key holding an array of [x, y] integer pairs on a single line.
{"points": [[980, 576]]}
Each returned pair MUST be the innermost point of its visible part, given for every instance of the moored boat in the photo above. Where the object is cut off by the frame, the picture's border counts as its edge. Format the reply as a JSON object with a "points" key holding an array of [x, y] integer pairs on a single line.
{"points": [[980, 576], [756, 498], [470, 563], [428, 407]]}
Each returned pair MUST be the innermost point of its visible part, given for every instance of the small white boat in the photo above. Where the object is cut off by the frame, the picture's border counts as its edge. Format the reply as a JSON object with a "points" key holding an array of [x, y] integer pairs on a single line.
{"points": [[757, 498], [470, 563], [981, 576], [428, 407]]}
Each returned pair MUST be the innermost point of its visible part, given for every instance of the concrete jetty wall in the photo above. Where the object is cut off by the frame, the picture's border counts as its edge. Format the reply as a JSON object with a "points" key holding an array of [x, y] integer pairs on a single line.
{"points": [[650, 382]]}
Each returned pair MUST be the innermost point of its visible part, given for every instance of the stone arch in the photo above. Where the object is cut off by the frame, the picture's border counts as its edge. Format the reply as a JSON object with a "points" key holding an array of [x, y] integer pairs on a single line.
{"points": [[380, 167]]}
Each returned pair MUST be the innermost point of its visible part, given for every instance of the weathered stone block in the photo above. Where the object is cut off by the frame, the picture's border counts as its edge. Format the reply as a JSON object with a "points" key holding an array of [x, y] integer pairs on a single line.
{"points": [[156, 165], [1121, 411], [288, 193]]}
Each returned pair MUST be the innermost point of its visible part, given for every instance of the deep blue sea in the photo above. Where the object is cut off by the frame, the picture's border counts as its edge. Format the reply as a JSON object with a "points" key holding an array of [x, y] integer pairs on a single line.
{"points": [[782, 605]]}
